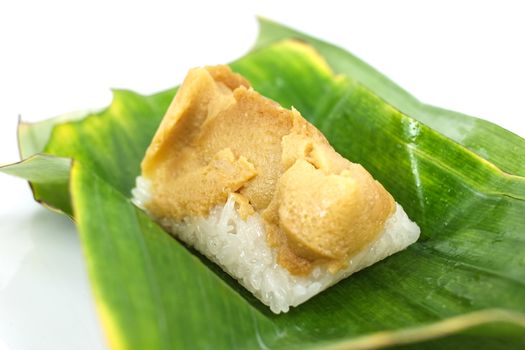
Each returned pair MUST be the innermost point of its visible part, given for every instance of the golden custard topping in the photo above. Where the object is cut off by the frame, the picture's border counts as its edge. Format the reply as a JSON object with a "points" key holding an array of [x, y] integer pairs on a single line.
{"points": [[220, 137]]}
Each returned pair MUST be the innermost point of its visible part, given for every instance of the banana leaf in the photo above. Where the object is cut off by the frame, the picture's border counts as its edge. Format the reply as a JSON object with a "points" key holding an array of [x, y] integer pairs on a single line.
{"points": [[475, 134], [462, 285]]}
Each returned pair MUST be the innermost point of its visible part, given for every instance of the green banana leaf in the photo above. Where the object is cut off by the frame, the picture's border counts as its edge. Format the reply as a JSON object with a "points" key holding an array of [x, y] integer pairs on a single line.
{"points": [[462, 285], [475, 134]]}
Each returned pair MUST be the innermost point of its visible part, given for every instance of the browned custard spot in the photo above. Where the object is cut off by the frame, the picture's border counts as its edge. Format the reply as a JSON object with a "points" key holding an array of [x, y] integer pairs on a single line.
{"points": [[220, 137]]}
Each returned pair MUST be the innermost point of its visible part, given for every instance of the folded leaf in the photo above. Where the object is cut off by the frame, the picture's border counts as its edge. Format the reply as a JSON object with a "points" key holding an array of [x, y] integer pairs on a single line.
{"points": [[48, 177]]}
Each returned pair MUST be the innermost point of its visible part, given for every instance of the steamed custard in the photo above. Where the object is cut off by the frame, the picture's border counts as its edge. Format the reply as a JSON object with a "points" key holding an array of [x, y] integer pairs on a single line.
{"points": [[220, 137]]}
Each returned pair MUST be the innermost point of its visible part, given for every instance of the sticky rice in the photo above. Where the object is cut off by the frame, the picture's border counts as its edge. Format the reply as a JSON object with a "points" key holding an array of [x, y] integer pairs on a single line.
{"points": [[240, 248]]}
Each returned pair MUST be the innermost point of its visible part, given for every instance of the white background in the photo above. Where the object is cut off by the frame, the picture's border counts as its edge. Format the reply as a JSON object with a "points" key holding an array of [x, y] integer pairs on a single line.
{"points": [[59, 56]]}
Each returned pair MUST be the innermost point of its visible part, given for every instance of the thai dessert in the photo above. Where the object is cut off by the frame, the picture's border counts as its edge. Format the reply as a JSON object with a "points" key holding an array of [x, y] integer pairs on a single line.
{"points": [[259, 190]]}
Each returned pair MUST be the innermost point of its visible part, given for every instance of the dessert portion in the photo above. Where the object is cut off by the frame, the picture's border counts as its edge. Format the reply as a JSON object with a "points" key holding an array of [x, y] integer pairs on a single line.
{"points": [[260, 191]]}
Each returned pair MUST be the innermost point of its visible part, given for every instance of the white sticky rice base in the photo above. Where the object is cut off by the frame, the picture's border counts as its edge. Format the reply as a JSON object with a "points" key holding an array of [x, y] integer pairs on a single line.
{"points": [[240, 248]]}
